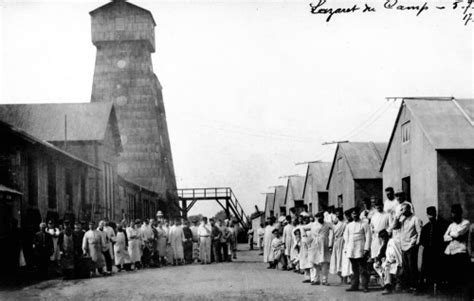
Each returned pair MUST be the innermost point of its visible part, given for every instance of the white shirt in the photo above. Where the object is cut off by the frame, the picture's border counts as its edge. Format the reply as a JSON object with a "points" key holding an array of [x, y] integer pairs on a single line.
{"points": [[357, 239], [459, 231], [389, 206], [410, 232], [204, 230]]}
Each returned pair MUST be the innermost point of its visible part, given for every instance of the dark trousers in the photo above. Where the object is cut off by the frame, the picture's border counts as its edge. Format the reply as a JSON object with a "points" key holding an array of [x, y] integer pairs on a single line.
{"points": [[43, 267], [410, 268], [108, 260], [225, 251], [359, 267], [216, 251]]}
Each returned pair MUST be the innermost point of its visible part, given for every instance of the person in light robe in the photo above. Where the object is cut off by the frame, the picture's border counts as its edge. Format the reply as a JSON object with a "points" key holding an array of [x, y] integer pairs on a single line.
{"points": [[357, 238], [320, 250], [379, 221], [107, 245], [234, 231], [260, 235], [306, 239], [335, 267], [224, 239], [250, 234], [204, 233], [388, 261], [346, 268], [110, 229], [277, 249], [194, 230], [122, 257], [409, 226], [176, 240], [288, 241], [267, 242], [134, 243], [92, 245], [162, 238]]}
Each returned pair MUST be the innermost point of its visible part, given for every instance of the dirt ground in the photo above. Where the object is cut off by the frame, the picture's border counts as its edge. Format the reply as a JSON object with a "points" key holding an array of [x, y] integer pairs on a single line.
{"points": [[247, 278]]}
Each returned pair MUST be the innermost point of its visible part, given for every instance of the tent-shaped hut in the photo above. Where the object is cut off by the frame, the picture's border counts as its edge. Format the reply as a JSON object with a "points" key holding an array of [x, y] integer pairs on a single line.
{"points": [[430, 154], [315, 193], [355, 173], [294, 195]]}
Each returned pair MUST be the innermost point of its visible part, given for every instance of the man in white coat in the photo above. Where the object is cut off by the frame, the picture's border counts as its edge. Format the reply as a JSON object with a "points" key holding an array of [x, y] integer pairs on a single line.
{"points": [[267, 241], [320, 251], [357, 237], [176, 240], [288, 241], [379, 221], [204, 233]]}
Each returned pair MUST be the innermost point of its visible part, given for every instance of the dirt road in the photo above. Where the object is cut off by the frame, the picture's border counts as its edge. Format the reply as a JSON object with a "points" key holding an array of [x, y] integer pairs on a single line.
{"points": [[247, 278]]}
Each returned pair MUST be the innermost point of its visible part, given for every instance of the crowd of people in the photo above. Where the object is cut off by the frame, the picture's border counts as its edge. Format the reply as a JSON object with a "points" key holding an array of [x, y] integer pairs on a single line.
{"points": [[379, 242], [132, 245]]}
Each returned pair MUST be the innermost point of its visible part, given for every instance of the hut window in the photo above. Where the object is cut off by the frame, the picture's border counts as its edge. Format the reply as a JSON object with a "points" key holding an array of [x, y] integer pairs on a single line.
{"points": [[406, 132], [339, 165], [51, 170]]}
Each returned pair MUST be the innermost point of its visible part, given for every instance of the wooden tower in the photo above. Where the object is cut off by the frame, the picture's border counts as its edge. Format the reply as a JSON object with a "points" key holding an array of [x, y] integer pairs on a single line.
{"points": [[124, 36]]}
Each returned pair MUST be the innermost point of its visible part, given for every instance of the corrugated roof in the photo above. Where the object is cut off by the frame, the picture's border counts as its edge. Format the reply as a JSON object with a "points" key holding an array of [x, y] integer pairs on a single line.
{"points": [[34, 140], [364, 159], [280, 192], [269, 199], [294, 189], [446, 123], [117, 3], [316, 179], [85, 121]]}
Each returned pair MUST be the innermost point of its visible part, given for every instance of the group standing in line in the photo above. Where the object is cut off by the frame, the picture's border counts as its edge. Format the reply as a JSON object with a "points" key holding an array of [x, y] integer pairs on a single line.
{"points": [[381, 240], [131, 245]]}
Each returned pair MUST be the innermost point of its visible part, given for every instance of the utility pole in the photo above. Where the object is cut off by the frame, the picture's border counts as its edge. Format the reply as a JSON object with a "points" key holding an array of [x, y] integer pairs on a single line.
{"points": [[307, 162], [334, 142]]}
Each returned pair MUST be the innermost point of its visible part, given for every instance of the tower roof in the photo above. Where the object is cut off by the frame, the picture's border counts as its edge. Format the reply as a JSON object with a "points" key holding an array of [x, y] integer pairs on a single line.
{"points": [[121, 4]]}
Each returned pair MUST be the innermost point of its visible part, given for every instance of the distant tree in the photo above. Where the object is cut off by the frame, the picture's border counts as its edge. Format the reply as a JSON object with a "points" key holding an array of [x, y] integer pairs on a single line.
{"points": [[192, 218], [221, 215]]}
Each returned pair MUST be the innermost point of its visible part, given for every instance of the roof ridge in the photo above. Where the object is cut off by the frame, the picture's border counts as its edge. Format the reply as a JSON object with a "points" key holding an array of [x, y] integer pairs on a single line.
{"points": [[460, 108]]}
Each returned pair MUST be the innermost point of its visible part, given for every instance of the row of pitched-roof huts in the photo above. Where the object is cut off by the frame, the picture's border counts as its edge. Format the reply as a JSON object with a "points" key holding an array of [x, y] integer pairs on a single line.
{"points": [[430, 156]]}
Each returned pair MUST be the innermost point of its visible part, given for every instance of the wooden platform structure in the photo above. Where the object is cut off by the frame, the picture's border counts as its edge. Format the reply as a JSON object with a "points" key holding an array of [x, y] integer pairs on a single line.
{"points": [[222, 195]]}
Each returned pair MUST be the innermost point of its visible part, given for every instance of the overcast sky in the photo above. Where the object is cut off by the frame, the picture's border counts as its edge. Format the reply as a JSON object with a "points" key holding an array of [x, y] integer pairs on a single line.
{"points": [[250, 87]]}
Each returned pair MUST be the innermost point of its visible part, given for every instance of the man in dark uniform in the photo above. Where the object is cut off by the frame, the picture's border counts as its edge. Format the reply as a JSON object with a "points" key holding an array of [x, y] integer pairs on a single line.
{"points": [[43, 249], [432, 268], [216, 241]]}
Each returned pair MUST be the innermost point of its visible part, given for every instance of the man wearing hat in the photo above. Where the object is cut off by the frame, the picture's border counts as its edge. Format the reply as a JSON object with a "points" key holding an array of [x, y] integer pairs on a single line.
{"points": [[357, 236]]}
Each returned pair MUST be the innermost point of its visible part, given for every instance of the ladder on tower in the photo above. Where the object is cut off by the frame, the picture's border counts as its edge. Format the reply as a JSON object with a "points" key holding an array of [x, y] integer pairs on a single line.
{"points": [[224, 196]]}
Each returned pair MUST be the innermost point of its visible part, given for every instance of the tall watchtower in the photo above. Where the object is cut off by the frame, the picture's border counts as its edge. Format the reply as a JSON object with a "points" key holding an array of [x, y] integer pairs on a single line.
{"points": [[124, 36]]}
